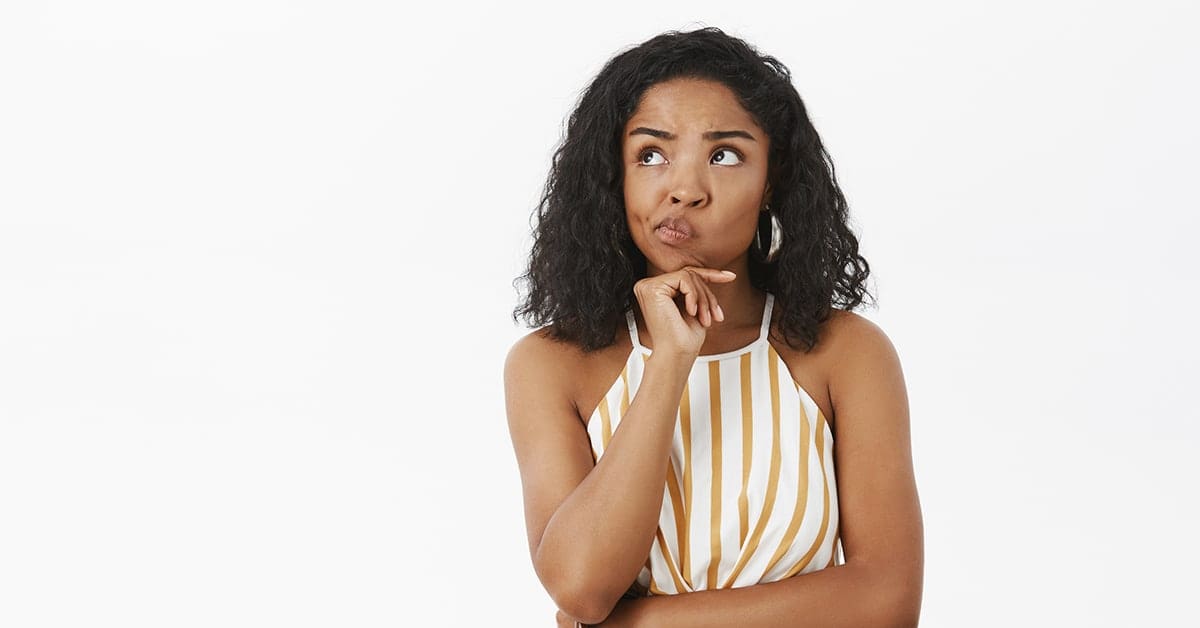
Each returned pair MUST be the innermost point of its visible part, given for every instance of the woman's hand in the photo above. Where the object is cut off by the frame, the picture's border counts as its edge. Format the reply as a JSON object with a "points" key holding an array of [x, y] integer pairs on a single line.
{"points": [[679, 306]]}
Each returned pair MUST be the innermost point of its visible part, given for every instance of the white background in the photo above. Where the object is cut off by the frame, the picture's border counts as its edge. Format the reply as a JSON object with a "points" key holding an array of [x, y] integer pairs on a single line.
{"points": [[256, 279]]}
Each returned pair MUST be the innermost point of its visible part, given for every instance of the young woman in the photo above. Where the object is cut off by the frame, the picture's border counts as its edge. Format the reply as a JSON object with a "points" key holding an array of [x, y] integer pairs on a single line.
{"points": [[675, 418]]}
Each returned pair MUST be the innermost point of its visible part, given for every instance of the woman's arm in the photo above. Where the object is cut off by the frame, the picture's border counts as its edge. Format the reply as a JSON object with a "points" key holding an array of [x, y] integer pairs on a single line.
{"points": [[880, 517], [591, 525], [851, 595]]}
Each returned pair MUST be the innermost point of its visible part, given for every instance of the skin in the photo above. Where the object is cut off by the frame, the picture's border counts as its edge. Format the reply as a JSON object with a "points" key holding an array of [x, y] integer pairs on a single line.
{"points": [[718, 185], [853, 375], [720, 193]]}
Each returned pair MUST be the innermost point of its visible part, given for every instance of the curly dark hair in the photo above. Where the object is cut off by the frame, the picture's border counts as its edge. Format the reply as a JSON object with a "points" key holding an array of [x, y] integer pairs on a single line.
{"points": [[584, 262]]}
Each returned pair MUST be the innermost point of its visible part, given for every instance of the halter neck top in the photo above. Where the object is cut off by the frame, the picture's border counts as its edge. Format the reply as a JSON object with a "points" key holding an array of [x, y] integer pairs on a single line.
{"points": [[750, 495]]}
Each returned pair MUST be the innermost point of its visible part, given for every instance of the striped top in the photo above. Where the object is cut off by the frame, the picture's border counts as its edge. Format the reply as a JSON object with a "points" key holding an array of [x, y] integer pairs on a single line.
{"points": [[750, 494]]}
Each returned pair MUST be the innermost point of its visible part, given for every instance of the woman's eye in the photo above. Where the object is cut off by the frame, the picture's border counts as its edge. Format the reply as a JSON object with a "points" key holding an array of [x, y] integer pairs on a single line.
{"points": [[642, 157], [726, 161]]}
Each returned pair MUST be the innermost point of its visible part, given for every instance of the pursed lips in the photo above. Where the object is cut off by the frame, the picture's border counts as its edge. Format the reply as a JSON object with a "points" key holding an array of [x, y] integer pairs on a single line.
{"points": [[677, 227]]}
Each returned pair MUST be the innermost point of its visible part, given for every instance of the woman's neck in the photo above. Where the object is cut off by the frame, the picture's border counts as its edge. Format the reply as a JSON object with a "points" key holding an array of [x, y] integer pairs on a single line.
{"points": [[743, 306]]}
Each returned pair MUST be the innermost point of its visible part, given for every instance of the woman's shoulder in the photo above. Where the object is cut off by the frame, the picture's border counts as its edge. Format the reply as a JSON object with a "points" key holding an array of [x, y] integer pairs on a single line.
{"points": [[564, 365], [537, 370], [850, 331], [840, 325], [541, 344], [812, 370], [541, 349], [857, 351]]}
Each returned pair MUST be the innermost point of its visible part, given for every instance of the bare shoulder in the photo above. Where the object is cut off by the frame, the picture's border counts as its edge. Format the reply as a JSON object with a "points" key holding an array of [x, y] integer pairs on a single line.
{"points": [[539, 345], [854, 339], [539, 357], [839, 318]]}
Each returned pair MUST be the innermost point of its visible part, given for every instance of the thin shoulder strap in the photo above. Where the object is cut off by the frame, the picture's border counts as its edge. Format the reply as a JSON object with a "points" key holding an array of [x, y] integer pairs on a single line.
{"points": [[631, 322], [765, 328]]}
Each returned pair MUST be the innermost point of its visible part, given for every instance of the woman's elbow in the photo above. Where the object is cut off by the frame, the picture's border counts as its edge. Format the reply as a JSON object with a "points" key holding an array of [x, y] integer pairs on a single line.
{"points": [[576, 593], [901, 609], [585, 607]]}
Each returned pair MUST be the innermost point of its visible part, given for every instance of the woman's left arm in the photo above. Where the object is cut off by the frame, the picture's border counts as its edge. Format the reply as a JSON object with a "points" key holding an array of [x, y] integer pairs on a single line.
{"points": [[880, 520]]}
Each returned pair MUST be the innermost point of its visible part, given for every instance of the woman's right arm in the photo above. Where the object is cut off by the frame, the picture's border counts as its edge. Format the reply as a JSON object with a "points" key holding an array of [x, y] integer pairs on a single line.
{"points": [[590, 525]]}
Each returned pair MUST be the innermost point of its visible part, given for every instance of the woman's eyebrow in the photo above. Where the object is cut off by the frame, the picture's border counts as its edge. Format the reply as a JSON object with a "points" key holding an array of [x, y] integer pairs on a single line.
{"points": [[711, 135]]}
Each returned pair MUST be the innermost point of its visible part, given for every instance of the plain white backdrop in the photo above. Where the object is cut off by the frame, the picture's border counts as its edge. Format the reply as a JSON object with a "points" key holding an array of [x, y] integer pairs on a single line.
{"points": [[256, 284]]}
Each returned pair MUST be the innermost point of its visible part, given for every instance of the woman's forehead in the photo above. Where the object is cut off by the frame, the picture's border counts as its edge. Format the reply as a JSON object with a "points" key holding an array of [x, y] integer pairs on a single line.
{"points": [[689, 106]]}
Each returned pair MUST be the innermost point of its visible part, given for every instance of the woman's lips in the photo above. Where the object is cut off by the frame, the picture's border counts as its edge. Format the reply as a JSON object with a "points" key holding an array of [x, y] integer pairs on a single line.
{"points": [[674, 229], [671, 236]]}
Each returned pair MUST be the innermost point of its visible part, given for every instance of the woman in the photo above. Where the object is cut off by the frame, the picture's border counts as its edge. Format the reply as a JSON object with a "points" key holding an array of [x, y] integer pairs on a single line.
{"points": [[675, 421]]}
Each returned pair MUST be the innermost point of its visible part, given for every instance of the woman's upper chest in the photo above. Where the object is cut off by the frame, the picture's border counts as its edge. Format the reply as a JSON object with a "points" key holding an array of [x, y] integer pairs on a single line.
{"points": [[596, 373]]}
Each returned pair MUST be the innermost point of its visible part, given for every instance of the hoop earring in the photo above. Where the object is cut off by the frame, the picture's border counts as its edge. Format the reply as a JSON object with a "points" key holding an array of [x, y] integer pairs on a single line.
{"points": [[772, 251]]}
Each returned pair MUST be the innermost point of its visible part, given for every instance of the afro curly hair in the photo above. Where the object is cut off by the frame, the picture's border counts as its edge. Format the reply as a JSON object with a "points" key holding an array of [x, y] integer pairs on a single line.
{"points": [[583, 263]]}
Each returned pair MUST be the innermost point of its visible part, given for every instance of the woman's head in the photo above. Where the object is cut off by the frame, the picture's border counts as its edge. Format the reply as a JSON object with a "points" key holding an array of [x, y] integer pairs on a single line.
{"points": [[694, 176], [616, 177]]}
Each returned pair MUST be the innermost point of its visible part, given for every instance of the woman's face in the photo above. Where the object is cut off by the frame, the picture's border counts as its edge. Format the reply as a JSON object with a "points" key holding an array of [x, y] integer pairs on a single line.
{"points": [[693, 157]]}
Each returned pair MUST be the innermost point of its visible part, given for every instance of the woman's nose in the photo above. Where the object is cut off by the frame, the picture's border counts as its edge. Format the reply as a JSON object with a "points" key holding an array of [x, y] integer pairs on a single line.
{"points": [[689, 196], [688, 186]]}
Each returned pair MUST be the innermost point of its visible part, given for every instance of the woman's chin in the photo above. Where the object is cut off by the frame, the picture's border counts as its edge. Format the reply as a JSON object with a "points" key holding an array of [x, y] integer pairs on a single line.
{"points": [[672, 263]]}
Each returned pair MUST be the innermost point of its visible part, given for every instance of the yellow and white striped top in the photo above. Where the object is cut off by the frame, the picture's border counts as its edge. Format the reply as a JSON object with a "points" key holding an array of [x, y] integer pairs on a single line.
{"points": [[750, 494]]}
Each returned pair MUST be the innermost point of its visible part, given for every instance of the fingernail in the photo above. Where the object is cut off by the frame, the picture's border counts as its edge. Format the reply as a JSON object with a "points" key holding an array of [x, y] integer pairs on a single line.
{"points": [[729, 272], [720, 313]]}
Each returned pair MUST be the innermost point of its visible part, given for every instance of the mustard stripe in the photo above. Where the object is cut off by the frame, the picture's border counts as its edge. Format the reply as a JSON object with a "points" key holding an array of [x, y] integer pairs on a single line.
{"points": [[773, 481], [685, 425], [662, 545], [747, 449], [677, 508], [714, 387], [801, 495], [825, 514], [625, 390], [605, 424]]}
